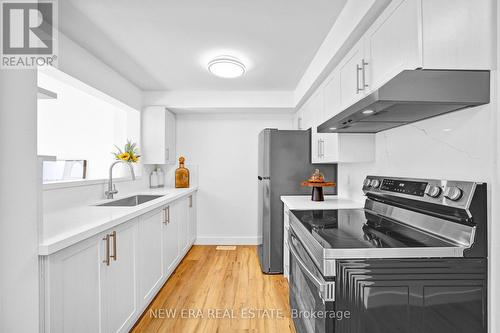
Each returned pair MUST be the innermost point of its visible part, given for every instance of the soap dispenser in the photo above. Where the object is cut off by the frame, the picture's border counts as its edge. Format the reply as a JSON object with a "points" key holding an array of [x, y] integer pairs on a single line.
{"points": [[153, 179], [161, 177]]}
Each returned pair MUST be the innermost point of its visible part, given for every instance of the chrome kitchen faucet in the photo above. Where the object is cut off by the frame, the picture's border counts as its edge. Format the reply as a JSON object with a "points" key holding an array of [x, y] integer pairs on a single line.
{"points": [[112, 188]]}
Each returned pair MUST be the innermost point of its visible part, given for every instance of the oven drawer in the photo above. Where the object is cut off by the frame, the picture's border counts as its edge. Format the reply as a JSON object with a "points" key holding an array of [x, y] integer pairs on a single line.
{"points": [[311, 295]]}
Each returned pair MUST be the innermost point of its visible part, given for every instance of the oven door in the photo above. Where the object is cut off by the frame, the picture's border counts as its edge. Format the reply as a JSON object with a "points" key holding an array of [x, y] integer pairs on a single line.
{"points": [[311, 296]]}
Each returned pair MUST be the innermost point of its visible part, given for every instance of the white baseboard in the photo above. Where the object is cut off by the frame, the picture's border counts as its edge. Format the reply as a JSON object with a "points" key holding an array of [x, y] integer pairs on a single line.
{"points": [[211, 240]]}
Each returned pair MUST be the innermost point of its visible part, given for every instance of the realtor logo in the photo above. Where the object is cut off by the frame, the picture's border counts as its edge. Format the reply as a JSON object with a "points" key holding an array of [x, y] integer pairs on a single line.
{"points": [[28, 34]]}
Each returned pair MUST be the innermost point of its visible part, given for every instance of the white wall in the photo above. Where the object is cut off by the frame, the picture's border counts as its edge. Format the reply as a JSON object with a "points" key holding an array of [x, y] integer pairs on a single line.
{"points": [[80, 126], [81, 64], [19, 185], [224, 147], [457, 146]]}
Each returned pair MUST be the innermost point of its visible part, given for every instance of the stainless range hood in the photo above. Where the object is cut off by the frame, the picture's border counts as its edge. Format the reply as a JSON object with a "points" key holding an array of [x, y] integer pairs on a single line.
{"points": [[410, 96]]}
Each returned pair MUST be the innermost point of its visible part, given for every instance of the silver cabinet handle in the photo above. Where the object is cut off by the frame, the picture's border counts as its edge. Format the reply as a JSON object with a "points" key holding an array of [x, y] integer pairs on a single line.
{"points": [[166, 215], [319, 148], [358, 69], [322, 148], [106, 261], [113, 234], [363, 65], [299, 123], [168, 154], [190, 201]]}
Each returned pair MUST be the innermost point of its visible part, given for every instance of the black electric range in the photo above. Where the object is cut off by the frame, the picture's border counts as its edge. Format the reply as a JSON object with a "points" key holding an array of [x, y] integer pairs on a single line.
{"points": [[359, 228]]}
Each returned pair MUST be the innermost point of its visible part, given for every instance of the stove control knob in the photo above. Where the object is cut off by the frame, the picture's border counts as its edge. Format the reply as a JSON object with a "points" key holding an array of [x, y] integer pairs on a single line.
{"points": [[433, 191], [375, 183], [453, 193], [367, 182]]}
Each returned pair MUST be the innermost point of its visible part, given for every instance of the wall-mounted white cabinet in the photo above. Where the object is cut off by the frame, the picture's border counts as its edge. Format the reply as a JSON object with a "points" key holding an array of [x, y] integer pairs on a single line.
{"points": [[408, 35], [427, 34], [333, 147], [158, 128], [104, 283]]}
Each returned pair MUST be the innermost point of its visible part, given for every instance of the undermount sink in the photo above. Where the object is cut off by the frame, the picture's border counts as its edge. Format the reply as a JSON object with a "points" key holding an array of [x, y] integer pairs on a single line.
{"points": [[131, 201]]}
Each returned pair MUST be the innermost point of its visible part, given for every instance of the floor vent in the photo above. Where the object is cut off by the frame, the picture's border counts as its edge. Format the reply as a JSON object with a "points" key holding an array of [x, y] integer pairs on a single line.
{"points": [[226, 248]]}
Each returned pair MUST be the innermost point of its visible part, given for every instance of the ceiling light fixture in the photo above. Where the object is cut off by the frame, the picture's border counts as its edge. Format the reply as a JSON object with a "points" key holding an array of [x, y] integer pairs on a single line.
{"points": [[333, 128], [368, 112], [226, 67]]}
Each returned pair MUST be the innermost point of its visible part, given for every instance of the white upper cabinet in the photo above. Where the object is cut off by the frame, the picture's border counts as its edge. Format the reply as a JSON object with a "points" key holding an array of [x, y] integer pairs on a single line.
{"points": [[158, 136], [331, 91], [352, 76], [457, 34], [333, 147], [428, 34], [393, 43]]}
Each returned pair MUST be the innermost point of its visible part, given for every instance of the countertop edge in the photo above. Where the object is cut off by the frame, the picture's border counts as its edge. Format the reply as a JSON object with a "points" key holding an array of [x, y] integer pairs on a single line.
{"points": [[55, 244]]}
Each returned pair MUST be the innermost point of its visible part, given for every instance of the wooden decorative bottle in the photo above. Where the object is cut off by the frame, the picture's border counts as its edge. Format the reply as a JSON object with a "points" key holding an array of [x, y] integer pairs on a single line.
{"points": [[181, 175]]}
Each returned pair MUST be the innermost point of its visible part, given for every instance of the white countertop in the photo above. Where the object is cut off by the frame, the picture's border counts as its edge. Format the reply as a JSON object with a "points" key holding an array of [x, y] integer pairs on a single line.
{"points": [[304, 202], [66, 227]]}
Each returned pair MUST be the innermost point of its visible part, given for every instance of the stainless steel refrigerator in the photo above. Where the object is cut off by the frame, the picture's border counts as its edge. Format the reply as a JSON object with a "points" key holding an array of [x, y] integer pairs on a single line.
{"points": [[284, 161]]}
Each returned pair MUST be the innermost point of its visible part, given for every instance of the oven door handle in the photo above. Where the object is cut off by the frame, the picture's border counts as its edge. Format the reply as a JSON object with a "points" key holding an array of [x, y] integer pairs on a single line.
{"points": [[326, 288]]}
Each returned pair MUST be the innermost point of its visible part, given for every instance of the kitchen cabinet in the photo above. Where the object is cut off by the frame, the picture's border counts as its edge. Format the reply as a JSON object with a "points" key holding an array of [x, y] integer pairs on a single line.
{"points": [[334, 147], [158, 136], [170, 242], [393, 43], [179, 211], [104, 283], [120, 277], [352, 75], [413, 34], [412, 295], [192, 218], [72, 280], [149, 252], [90, 286]]}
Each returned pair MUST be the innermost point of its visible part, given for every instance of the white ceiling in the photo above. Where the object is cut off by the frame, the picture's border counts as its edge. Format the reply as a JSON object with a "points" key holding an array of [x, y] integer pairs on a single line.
{"points": [[165, 45]]}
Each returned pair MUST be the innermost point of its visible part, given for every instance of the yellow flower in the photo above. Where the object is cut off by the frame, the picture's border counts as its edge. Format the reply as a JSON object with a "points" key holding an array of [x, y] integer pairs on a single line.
{"points": [[124, 156], [134, 158]]}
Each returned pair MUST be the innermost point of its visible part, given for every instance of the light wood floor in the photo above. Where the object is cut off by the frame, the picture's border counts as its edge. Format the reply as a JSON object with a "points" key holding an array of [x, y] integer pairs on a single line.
{"points": [[224, 290]]}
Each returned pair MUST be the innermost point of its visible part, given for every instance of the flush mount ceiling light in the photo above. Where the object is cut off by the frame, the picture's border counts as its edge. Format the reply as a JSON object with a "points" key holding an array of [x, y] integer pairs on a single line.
{"points": [[226, 67], [368, 111]]}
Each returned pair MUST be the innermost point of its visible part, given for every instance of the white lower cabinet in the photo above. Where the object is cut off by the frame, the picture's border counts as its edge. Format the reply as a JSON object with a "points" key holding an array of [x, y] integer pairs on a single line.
{"points": [[192, 219], [149, 253], [119, 279], [104, 283]]}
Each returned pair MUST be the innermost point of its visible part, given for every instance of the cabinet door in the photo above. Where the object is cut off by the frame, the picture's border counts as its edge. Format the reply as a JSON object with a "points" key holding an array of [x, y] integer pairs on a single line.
{"points": [[158, 135], [170, 241], [74, 288], [119, 287], [180, 213], [351, 76], [315, 106], [192, 218], [170, 130], [332, 93], [394, 42], [150, 255]]}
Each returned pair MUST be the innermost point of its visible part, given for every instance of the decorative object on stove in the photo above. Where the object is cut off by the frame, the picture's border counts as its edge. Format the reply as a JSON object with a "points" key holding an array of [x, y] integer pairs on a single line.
{"points": [[181, 175], [317, 182], [415, 256]]}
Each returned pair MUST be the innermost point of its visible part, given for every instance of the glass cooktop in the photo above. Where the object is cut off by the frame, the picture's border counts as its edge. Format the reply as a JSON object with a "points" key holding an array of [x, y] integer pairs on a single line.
{"points": [[357, 228]]}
